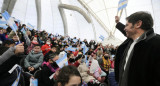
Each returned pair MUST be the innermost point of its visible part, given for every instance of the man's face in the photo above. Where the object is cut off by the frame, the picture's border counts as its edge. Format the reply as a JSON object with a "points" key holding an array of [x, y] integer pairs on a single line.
{"points": [[130, 30], [15, 38], [72, 56], [53, 49], [34, 39], [37, 49], [24, 26]]}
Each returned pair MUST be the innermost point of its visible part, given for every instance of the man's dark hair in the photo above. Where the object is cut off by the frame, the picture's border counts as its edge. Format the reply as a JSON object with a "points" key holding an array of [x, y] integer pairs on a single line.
{"points": [[78, 57], [146, 18], [50, 56], [53, 46], [37, 45], [66, 73], [23, 25]]}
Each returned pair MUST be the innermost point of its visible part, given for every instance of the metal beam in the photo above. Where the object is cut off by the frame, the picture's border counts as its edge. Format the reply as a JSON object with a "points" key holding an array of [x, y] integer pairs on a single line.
{"points": [[94, 15], [75, 8], [71, 7]]}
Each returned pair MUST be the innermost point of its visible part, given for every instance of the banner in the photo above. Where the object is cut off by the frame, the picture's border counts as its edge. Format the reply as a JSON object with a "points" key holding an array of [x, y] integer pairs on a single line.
{"points": [[70, 48], [3, 22], [10, 21], [62, 61], [101, 37], [33, 82], [23, 30], [122, 4], [4, 26], [29, 26], [85, 49]]}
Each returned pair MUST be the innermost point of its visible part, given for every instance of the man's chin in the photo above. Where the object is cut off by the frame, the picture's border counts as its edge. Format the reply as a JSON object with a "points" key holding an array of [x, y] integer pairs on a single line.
{"points": [[127, 36]]}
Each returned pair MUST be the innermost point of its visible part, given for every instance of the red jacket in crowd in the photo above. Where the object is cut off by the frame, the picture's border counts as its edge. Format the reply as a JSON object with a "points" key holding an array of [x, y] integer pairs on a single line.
{"points": [[45, 49]]}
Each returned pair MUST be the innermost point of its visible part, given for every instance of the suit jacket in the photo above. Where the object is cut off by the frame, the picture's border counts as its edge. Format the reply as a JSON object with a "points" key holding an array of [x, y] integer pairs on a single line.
{"points": [[143, 69]]}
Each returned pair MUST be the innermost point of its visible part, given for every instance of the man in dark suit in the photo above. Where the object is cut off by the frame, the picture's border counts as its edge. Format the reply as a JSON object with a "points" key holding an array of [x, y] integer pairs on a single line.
{"points": [[137, 59]]}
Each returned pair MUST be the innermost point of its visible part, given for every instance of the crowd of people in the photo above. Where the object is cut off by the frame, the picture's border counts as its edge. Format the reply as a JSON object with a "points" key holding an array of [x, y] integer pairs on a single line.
{"points": [[36, 53], [29, 55]]}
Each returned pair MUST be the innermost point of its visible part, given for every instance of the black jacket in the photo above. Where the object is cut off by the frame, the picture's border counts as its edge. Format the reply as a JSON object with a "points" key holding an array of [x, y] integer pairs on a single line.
{"points": [[7, 79], [145, 62], [43, 77]]}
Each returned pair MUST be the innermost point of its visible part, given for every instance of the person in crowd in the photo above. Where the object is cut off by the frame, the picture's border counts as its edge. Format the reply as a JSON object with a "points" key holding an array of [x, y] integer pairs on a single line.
{"points": [[137, 59], [33, 42], [92, 44], [99, 53], [17, 37], [96, 71], [86, 43], [105, 64], [99, 47], [34, 59], [83, 69], [75, 53], [52, 51], [8, 43], [6, 33], [2, 36], [10, 55], [69, 76], [49, 67], [47, 47], [72, 60]]}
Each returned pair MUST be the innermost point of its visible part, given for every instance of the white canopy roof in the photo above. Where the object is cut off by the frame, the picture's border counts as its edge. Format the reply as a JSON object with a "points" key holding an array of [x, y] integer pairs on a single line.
{"points": [[72, 22]]}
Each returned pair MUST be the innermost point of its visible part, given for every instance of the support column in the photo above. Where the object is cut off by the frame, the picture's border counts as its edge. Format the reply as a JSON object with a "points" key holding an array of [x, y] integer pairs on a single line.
{"points": [[8, 5], [38, 9]]}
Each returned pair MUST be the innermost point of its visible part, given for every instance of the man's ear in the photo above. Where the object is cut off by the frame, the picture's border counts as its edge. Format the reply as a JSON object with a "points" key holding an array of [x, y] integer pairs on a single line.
{"points": [[139, 24]]}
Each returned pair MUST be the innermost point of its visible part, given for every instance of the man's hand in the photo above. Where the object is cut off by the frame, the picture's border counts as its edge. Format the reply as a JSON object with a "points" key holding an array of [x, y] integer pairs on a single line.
{"points": [[116, 19], [19, 48], [100, 71]]}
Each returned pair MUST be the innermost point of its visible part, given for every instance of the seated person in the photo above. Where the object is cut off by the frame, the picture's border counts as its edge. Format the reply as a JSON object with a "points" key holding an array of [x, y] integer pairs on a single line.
{"points": [[52, 51], [69, 76], [34, 59], [33, 42], [46, 48], [48, 68], [96, 71], [74, 61], [105, 63], [15, 37], [83, 69], [2, 36]]}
